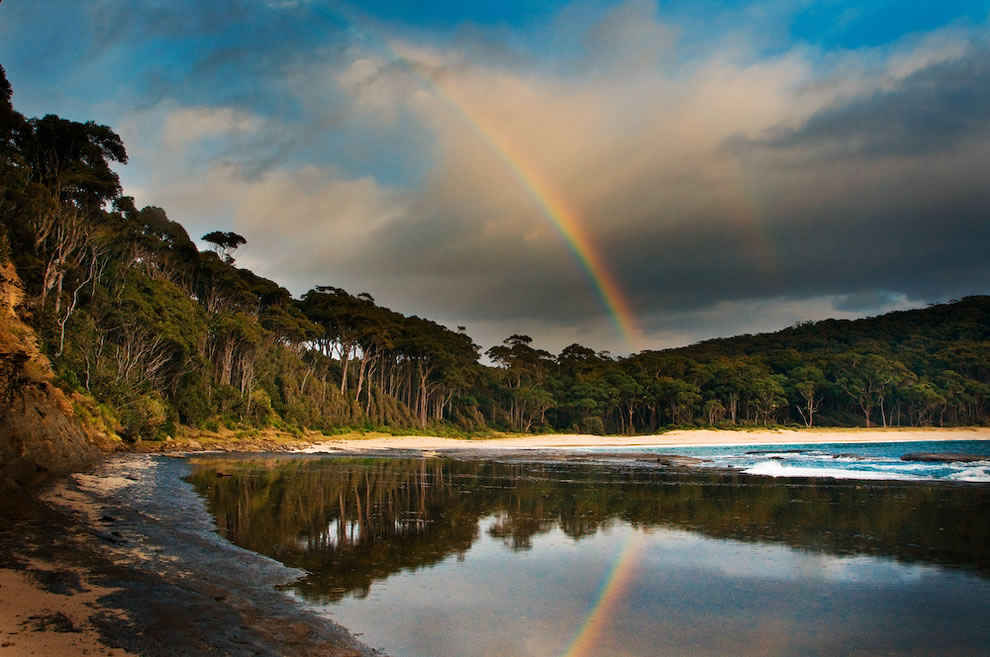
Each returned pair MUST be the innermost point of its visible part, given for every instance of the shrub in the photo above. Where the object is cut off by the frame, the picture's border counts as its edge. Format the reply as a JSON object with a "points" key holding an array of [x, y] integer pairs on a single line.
{"points": [[592, 424], [144, 418], [191, 399], [260, 411]]}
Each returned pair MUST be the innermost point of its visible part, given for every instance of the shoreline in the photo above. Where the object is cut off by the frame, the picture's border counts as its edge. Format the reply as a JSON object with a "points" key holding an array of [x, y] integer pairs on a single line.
{"points": [[123, 559], [85, 567], [678, 438]]}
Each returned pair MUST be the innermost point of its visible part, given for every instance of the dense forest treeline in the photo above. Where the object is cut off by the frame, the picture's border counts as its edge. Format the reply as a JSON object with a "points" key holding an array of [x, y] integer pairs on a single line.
{"points": [[131, 313]]}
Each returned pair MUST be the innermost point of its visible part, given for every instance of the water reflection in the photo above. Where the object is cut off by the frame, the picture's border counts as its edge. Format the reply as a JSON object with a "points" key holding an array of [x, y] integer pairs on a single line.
{"points": [[350, 522]]}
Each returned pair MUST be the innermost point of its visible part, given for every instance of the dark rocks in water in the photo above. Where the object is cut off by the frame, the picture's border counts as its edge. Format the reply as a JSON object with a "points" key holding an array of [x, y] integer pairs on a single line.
{"points": [[944, 457], [849, 455], [678, 460], [668, 460]]}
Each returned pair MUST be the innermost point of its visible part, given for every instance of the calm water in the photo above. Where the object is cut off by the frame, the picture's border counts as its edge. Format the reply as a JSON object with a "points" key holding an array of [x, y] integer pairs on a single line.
{"points": [[435, 557]]}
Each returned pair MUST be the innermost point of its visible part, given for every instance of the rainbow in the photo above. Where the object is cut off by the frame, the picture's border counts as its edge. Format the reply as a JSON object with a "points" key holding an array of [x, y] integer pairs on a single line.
{"points": [[560, 214], [550, 202], [614, 586]]}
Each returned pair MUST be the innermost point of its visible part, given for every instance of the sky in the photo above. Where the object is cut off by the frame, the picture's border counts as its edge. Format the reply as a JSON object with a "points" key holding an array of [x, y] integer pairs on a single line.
{"points": [[626, 175]]}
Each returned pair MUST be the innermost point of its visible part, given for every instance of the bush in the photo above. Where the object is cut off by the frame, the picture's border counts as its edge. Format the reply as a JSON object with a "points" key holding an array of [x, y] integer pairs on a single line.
{"points": [[226, 399], [592, 424], [260, 411], [144, 418], [191, 399]]}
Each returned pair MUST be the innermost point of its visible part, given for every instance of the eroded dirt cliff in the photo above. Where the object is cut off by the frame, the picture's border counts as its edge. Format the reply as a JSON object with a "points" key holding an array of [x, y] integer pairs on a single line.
{"points": [[40, 434]]}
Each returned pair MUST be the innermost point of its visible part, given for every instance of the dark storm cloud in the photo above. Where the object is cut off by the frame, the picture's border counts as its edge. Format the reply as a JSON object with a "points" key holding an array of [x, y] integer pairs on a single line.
{"points": [[886, 191], [932, 110]]}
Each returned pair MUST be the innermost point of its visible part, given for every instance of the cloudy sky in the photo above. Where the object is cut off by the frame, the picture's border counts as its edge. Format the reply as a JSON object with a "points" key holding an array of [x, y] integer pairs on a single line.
{"points": [[733, 166]]}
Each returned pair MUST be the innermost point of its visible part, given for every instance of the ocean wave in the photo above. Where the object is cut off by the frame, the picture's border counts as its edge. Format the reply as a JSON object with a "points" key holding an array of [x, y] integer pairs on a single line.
{"points": [[971, 474], [776, 469]]}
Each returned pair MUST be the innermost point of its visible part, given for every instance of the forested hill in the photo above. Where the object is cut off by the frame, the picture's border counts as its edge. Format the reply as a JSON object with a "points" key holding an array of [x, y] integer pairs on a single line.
{"points": [[132, 315], [966, 320]]}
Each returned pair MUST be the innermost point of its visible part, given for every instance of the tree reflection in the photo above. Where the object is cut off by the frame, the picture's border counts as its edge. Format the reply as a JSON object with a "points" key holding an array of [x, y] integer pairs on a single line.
{"points": [[349, 522]]}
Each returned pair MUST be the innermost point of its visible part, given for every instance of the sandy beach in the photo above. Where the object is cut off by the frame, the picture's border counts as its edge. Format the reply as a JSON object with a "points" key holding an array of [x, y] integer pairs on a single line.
{"points": [[35, 621], [681, 438]]}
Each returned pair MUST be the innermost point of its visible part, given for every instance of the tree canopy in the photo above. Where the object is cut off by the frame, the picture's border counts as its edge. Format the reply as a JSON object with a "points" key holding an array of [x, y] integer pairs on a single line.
{"points": [[161, 334]]}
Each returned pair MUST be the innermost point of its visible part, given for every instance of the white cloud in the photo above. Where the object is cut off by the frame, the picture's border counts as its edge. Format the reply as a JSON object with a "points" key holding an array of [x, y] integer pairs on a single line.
{"points": [[188, 125]]}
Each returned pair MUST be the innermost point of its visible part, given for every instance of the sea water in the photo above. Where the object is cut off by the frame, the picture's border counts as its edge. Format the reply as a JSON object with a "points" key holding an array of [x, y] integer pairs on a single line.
{"points": [[863, 461]]}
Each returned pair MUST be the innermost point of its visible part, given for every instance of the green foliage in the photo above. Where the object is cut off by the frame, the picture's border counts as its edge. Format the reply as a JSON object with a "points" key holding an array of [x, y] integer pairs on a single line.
{"points": [[192, 398], [144, 418], [130, 312], [260, 411]]}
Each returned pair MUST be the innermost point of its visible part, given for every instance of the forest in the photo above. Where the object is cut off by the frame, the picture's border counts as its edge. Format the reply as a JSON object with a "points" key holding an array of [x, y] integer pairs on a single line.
{"points": [[160, 335]]}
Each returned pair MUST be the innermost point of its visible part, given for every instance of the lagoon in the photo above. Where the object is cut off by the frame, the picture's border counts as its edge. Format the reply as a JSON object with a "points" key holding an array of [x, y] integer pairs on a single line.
{"points": [[434, 557]]}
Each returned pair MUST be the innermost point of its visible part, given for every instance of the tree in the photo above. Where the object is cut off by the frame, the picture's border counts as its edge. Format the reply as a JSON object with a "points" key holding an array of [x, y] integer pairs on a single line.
{"points": [[225, 243], [71, 180], [868, 378], [768, 397], [714, 411], [807, 382]]}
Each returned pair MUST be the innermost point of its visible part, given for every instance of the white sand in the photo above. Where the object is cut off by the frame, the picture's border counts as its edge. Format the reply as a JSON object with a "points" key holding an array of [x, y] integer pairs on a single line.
{"points": [[690, 438]]}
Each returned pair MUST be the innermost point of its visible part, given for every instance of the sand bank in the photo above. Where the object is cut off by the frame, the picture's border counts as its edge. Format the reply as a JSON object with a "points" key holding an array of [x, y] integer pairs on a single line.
{"points": [[34, 621], [689, 438]]}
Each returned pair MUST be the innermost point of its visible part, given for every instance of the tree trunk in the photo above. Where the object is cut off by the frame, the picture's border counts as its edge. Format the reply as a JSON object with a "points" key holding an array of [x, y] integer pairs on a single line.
{"points": [[345, 355]]}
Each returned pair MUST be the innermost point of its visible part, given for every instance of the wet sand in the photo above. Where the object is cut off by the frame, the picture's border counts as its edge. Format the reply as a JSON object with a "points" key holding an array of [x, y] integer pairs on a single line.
{"points": [[688, 438], [123, 560]]}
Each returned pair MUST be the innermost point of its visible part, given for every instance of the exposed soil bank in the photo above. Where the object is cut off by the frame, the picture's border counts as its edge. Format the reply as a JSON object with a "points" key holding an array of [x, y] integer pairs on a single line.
{"points": [[39, 432]]}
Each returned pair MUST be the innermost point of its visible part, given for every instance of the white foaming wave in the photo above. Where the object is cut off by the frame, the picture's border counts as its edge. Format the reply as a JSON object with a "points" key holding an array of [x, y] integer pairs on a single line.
{"points": [[775, 469], [971, 474]]}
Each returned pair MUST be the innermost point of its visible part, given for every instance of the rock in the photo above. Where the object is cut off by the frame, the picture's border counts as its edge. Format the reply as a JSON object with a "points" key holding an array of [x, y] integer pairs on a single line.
{"points": [[678, 460], [944, 457]]}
